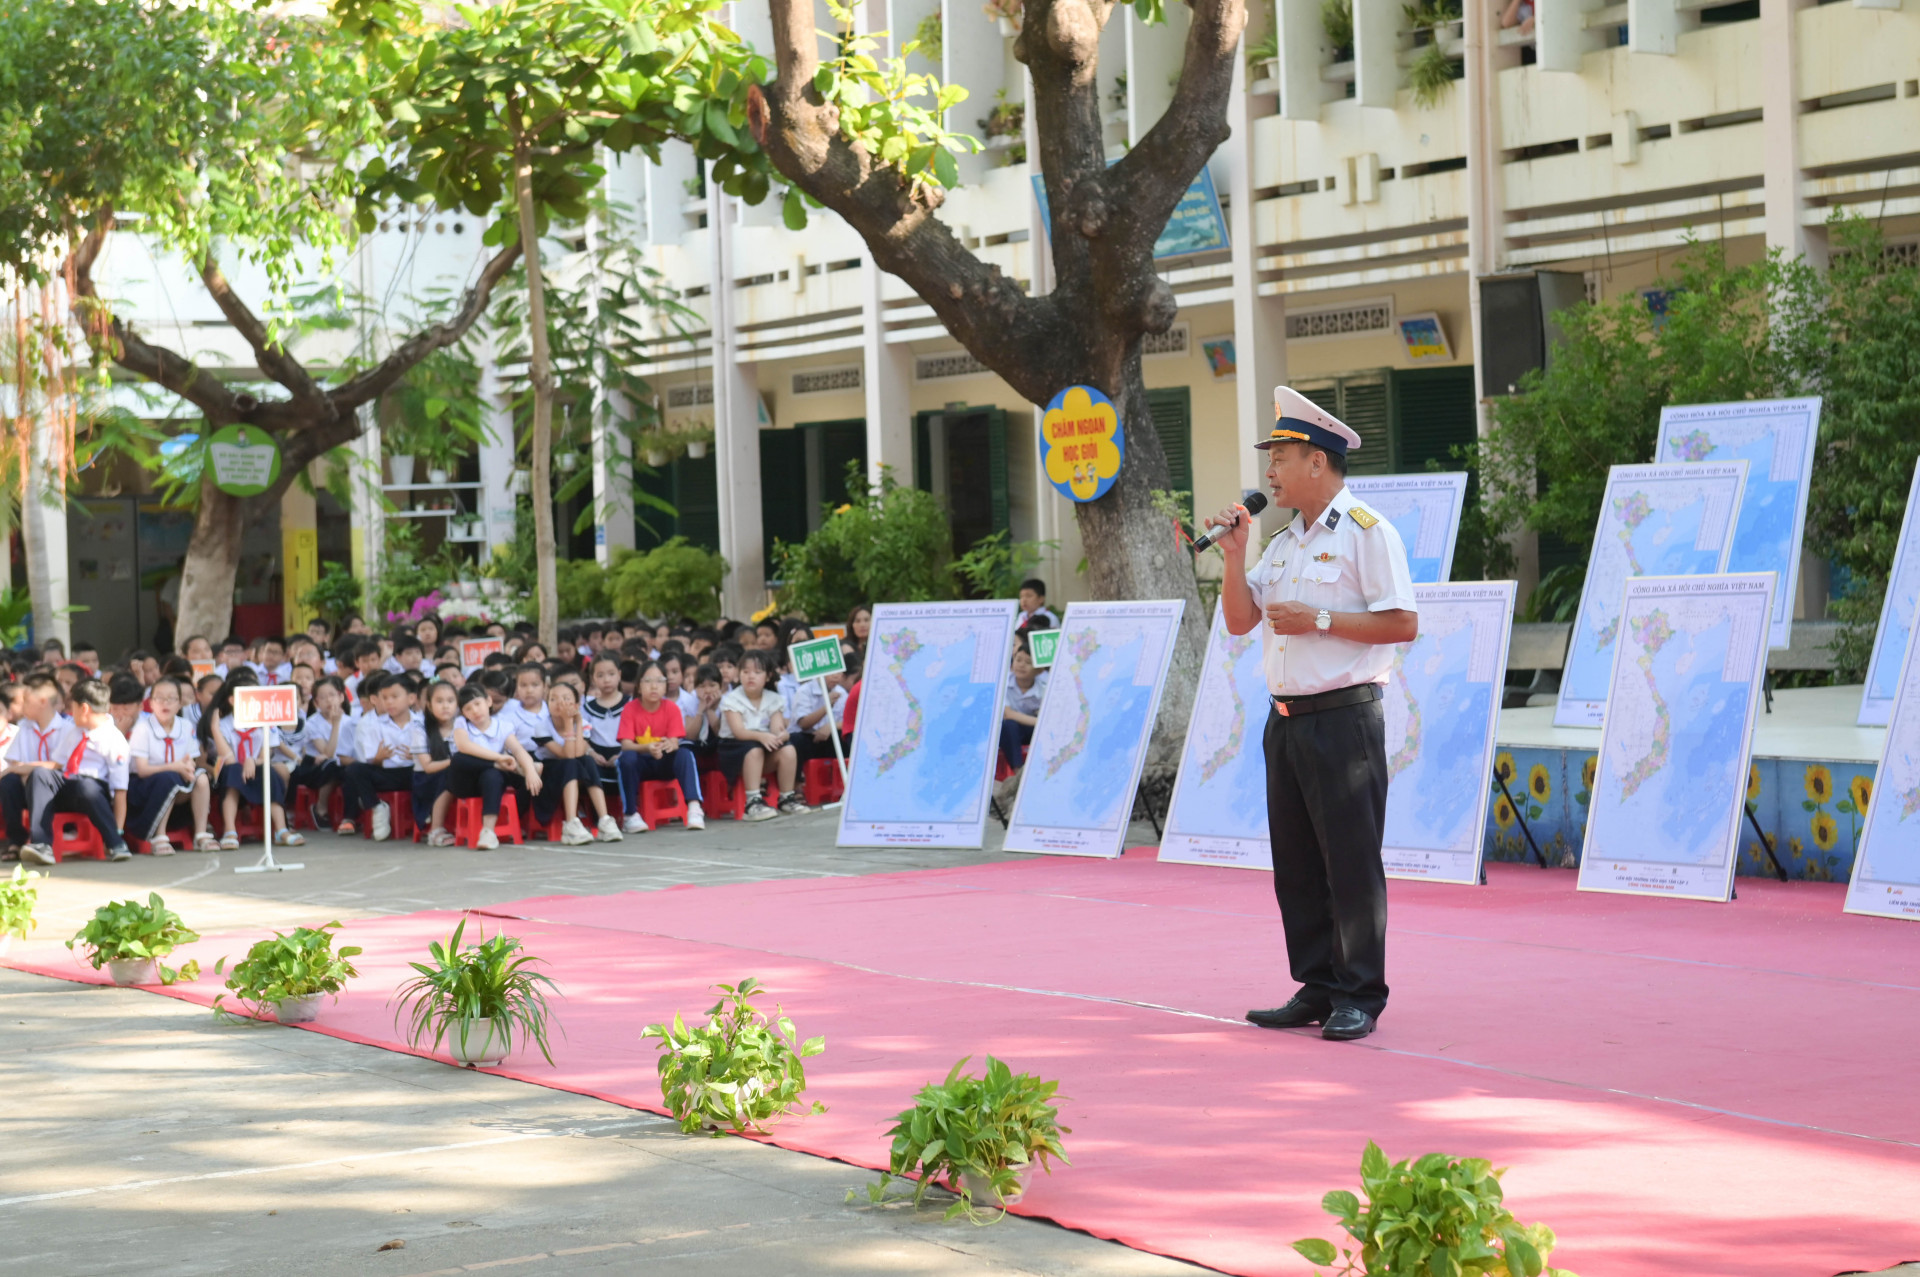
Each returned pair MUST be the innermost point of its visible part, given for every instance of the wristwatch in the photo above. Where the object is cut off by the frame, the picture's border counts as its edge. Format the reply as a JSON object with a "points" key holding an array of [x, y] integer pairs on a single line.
{"points": [[1324, 621]]}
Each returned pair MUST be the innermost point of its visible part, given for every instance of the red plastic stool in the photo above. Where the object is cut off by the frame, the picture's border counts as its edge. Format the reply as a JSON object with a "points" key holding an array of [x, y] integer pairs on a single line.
{"points": [[306, 803], [823, 781], [467, 817], [661, 801], [74, 835], [551, 831], [400, 803], [1000, 769], [722, 799]]}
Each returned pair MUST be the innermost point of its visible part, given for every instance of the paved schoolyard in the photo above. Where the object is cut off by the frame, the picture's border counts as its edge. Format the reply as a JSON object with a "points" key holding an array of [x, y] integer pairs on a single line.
{"points": [[142, 1136]]}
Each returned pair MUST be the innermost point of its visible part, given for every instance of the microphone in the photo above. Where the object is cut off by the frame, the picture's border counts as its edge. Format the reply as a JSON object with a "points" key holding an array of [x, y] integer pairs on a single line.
{"points": [[1254, 502]]}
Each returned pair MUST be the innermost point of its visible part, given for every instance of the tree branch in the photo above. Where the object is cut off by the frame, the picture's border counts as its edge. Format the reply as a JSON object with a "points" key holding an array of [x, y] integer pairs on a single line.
{"points": [[272, 357]]}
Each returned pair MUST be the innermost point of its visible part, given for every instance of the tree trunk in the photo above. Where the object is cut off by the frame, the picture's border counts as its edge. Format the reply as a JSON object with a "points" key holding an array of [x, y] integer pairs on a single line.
{"points": [[540, 374], [211, 567]]}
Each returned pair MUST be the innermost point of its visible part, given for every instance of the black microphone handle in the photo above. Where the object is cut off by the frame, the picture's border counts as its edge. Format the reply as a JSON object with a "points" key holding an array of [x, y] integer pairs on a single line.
{"points": [[1253, 504]]}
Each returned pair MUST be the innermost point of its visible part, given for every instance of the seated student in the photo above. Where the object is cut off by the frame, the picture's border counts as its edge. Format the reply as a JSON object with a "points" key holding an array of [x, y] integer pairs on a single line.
{"points": [[726, 659], [383, 748], [53, 652], [124, 698], [35, 746], [203, 693], [753, 726], [143, 666], [409, 655], [570, 772], [486, 758], [1026, 688], [326, 744], [446, 668], [432, 745], [233, 655], [197, 650], [271, 665], [849, 709], [165, 757], [241, 766], [366, 660], [320, 634], [87, 657], [91, 779], [806, 702], [69, 675], [566, 648], [10, 714], [679, 670], [601, 712], [653, 747], [703, 727], [1034, 612]]}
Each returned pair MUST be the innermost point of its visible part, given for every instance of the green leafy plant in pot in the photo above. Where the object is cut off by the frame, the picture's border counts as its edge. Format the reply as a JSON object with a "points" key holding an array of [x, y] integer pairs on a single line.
{"points": [[1434, 1215], [982, 1136], [739, 1071], [479, 1000], [129, 939], [290, 972], [17, 898]]}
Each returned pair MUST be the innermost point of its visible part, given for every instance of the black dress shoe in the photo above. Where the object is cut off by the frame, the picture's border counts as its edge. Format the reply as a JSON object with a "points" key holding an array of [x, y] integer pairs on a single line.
{"points": [[1297, 1014], [1346, 1024]]}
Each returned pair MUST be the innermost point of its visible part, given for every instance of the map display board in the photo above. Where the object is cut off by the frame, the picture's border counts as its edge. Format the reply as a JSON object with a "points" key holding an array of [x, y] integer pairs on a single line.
{"points": [[1776, 437], [1218, 815], [1103, 693], [1660, 520], [1671, 781], [1425, 510], [1442, 708], [1886, 869], [1891, 640], [929, 724]]}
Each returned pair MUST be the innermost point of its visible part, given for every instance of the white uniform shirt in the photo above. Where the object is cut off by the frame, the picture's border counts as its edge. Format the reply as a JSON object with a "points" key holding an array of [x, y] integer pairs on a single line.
{"points": [[36, 744], [493, 736], [527, 725], [1342, 564], [376, 730], [1027, 702], [319, 733], [689, 702], [103, 755], [752, 718], [801, 699], [272, 676], [603, 721], [162, 745]]}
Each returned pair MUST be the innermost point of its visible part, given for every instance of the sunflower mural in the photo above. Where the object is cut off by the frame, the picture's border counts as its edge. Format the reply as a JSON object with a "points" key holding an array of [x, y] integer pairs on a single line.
{"points": [[1834, 843], [1503, 813]]}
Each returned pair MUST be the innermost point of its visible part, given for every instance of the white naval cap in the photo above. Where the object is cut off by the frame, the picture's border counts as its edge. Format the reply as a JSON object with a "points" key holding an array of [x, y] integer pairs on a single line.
{"points": [[1297, 419]]}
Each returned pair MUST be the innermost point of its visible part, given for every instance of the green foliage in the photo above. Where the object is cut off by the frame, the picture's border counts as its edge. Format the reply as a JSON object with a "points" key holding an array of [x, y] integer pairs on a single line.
{"points": [[583, 587], [16, 614], [987, 1125], [1438, 1215], [17, 897], [439, 411], [678, 579], [405, 573], [1432, 74], [995, 566], [1557, 597], [888, 542], [486, 981], [930, 35], [336, 595], [739, 1070], [127, 930], [1336, 19], [290, 965]]}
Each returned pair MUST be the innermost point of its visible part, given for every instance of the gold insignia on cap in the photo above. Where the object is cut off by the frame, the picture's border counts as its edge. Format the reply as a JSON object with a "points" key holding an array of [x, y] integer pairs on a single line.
{"points": [[1362, 516]]}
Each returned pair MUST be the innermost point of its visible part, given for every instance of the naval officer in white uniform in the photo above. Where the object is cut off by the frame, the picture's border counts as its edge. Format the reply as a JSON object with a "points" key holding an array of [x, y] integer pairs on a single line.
{"points": [[1331, 594]]}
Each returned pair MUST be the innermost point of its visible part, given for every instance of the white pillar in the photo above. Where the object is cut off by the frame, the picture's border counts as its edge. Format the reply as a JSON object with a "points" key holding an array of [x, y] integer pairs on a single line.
{"points": [[1259, 323], [498, 501], [612, 449], [43, 526], [1780, 133], [366, 511], [736, 429], [889, 385]]}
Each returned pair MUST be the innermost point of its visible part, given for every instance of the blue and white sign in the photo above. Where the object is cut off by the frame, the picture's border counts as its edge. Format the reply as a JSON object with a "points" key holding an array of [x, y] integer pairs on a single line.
{"points": [[1425, 510], [1897, 611], [1196, 225]]}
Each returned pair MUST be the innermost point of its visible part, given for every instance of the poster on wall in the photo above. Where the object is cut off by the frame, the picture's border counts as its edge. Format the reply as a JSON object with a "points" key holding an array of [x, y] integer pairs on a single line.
{"points": [[1218, 815], [1776, 438], [1425, 510], [929, 726], [1886, 870], [1897, 610], [1083, 767], [1442, 709], [1670, 789], [1671, 520]]}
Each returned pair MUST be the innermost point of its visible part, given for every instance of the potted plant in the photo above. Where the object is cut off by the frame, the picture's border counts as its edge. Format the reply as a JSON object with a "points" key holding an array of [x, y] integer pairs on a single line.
{"points": [[478, 999], [290, 972], [1007, 13], [982, 1136], [17, 897], [1005, 126], [129, 939], [696, 436], [738, 1071]]}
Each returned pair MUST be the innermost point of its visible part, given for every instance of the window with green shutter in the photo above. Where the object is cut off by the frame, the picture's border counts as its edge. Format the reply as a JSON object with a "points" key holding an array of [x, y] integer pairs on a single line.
{"points": [[1172, 409], [783, 487], [975, 484], [1364, 401]]}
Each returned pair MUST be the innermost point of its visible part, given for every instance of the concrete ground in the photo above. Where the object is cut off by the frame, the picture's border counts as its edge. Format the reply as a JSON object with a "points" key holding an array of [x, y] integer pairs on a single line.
{"points": [[141, 1136]]}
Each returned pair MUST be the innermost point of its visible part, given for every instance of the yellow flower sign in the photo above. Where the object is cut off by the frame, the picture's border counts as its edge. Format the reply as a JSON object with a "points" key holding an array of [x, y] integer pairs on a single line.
{"points": [[1081, 446]]}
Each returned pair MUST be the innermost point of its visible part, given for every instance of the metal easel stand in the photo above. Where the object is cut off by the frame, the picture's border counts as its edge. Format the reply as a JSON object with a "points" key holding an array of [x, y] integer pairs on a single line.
{"points": [[1765, 842], [267, 863], [1506, 793]]}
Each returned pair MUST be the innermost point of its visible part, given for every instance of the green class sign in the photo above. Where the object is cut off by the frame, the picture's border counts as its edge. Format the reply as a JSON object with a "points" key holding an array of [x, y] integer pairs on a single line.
{"points": [[245, 460], [817, 658], [1044, 644]]}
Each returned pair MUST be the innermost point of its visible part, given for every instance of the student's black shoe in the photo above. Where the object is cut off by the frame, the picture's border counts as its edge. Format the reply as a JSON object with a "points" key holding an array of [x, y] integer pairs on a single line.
{"points": [[1346, 1024], [1297, 1014], [119, 853]]}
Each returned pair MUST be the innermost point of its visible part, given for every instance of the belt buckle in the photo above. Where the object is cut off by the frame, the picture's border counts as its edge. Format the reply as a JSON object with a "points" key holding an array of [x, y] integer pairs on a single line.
{"points": [[1280, 708]]}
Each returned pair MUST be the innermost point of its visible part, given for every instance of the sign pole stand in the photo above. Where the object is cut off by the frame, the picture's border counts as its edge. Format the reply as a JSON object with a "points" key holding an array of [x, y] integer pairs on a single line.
{"points": [[267, 864], [833, 730]]}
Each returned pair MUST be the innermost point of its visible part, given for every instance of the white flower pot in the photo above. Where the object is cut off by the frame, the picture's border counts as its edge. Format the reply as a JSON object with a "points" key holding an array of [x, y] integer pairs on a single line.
{"points": [[481, 1045], [697, 449], [401, 468], [436, 477], [465, 590], [301, 1010], [1007, 28], [493, 588], [521, 483], [134, 971], [569, 462], [981, 1187], [658, 456]]}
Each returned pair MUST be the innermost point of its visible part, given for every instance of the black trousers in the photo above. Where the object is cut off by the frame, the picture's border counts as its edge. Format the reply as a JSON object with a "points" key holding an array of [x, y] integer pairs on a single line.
{"points": [[150, 802], [13, 807], [49, 792], [364, 783], [1326, 810]]}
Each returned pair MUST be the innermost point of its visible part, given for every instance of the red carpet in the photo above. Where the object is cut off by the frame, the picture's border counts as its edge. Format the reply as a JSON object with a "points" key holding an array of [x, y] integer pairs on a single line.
{"points": [[1679, 1088]]}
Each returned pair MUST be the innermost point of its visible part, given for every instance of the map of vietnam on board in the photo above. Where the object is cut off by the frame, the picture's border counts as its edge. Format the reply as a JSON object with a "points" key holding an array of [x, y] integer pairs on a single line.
{"points": [[1219, 811], [1776, 437], [1658, 520], [1442, 708], [1671, 783], [1425, 510], [1897, 611], [1886, 871], [1076, 794], [929, 724]]}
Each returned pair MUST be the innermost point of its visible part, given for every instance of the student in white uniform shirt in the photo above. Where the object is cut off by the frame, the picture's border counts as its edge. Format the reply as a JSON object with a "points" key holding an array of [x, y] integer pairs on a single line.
{"points": [[164, 757], [1026, 689], [241, 767], [601, 710], [486, 760], [90, 779], [35, 741], [1331, 596], [383, 740], [10, 714], [526, 714], [273, 668]]}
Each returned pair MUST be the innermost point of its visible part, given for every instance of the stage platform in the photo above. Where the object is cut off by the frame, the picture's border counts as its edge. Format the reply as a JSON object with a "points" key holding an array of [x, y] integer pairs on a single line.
{"points": [[1677, 1087], [1807, 750]]}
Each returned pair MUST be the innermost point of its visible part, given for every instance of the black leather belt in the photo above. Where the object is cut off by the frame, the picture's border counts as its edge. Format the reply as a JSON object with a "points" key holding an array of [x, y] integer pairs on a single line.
{"points": [[1338, 698]]}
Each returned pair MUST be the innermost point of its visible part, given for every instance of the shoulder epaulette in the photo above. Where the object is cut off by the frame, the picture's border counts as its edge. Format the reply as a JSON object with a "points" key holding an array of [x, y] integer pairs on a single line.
{"points": [[1362, 516]]}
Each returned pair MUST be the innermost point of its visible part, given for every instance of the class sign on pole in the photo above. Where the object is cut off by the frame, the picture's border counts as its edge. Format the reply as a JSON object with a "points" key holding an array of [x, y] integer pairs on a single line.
{"points": [[474, 652], [819, 658], [1042, 646], [266, 708]]}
